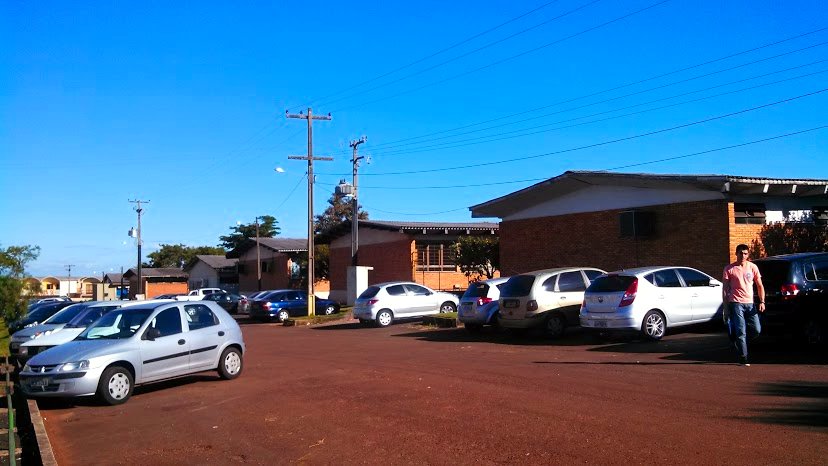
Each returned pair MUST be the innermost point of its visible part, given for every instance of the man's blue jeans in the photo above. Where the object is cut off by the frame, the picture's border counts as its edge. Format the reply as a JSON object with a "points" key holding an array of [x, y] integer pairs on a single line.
{"points": [[744, 319]]}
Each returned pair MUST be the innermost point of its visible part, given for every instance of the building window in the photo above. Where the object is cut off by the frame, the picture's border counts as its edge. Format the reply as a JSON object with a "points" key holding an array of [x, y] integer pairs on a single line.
{"points": [[820, 214], [267, 266], [435, 257], [751, 214]]}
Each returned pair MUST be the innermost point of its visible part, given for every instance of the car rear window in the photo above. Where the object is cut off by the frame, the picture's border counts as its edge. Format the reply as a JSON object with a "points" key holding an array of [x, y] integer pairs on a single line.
{"points": [[369, 292], [610, 284], [476, 290], [519, 285], [774, 273]]}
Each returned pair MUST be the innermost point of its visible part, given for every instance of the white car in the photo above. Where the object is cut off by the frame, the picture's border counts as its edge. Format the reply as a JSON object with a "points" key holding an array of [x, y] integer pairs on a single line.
{"points": [[384, 302], [651, 300], [199, 294]]}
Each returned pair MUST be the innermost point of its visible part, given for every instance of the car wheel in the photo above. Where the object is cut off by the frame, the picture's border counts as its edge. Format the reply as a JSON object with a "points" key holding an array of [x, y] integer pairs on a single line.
{"points": [[330, 309], [654, 326], [115, 386], [283, 316], [448, 306], [473, 328], [384, 318], [555, 326], [230, 363]]}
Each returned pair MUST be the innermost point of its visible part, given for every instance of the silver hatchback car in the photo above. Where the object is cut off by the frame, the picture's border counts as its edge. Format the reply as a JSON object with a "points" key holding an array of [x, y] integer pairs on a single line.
{"points": [[478, 305], [384, 302], [135, 345]]}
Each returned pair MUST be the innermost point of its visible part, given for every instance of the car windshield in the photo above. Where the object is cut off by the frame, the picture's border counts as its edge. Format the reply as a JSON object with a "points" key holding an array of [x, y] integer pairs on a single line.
{"points": [[66, 314], [92, 314], [369, 292], [117, 325], [476, 290], [519, 285], [39, 313], [611, 284]]}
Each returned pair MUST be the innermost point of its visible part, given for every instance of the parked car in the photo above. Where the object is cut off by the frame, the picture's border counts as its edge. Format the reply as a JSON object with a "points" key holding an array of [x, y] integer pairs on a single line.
{"points": [[284, 304], [231, 302], [48, 299], [37, 314], [169, 296], [137, 345], [385, 302], [478, 305], [796, 294], [651, 300], [78, 319], [548, 299], [198, 294], [57, 320]]}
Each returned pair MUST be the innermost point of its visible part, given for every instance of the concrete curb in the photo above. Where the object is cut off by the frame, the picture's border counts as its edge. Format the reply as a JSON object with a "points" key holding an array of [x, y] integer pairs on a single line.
{"points": [[47, 456]]}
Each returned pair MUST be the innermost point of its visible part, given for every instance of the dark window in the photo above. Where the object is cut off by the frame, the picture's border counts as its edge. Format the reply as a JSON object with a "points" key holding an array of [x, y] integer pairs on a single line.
{"points": [[666, 279], [592, 274], [435, 257], [820, 214], [549, 283], [775, 273], [292, 296], [637, 224], [611, 284], [517, 286], [694, 277], [199, 316], [369, 292], [395, 290], [816, 271], [745, 213], [267, 266], [417, 290], [571, 281], [168, 322], [476, 290]]}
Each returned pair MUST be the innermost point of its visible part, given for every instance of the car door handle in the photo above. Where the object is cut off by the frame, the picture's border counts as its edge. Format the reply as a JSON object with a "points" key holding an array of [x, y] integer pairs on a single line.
{"points": [[221, 334], [563, 298], [694, 295], [181, 342]]}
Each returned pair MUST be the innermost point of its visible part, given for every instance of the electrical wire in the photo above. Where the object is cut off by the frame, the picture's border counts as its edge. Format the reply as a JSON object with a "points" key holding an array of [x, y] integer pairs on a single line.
{"points": [[510, 58]]}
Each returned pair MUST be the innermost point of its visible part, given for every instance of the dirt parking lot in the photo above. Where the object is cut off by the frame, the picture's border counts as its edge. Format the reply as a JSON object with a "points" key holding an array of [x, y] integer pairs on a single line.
{"points": [[342, 394]]}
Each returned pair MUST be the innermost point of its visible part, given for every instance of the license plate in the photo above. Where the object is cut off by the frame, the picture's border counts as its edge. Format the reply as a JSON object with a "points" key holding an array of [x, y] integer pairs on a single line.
{"points": [[41, 382], [600, 323], [510, 304]]}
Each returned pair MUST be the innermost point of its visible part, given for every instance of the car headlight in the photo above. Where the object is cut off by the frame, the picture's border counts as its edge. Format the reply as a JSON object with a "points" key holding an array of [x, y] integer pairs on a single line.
{"points": [[30, 325], [41, 334], [73, 366]]}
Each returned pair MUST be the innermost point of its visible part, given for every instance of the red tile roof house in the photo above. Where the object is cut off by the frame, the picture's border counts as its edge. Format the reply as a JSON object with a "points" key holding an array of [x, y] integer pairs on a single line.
{"points": [[276, 256], [213, 271], [412, 251], [622, 220], [157, 281]]}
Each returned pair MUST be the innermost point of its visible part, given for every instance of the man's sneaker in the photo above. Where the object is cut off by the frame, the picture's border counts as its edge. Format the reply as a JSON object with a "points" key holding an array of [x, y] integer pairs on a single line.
{"points": [[743, 361]]}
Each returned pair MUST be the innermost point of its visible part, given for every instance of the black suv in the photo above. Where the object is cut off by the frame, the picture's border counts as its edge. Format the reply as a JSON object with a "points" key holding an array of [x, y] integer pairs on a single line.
{"points": [[796, 293]]}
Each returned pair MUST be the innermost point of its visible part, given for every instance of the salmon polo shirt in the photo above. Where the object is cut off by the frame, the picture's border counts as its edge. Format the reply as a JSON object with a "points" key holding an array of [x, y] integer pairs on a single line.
{"points": [[740, 279]]}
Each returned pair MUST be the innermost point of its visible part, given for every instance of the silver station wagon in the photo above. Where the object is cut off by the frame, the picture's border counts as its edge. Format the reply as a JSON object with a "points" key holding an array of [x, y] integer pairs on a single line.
{"points": [[135, 345]]}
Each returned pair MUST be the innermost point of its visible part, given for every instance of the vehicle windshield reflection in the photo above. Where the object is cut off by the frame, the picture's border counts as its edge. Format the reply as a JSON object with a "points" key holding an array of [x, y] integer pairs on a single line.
{"points": [[116, 325]]}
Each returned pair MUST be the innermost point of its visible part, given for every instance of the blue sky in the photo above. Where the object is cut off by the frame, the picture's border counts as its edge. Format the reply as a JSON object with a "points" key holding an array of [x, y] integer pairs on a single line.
{"points": [[184, 105]]}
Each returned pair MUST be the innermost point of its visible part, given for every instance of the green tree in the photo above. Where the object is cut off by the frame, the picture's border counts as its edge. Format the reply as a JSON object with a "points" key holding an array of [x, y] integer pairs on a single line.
{"points": [[13, 290], [336, 219], [478, 256], [179, 255], [268, 228], [790, 237]]}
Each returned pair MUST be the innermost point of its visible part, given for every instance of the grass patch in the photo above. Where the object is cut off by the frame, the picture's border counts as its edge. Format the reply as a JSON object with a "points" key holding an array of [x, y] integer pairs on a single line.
{"points": [[447, 315], [307, 320]]}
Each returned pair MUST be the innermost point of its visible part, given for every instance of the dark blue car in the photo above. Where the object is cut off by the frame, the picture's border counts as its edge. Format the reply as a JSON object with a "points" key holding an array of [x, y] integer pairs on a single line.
{"points": [[283, 304]]}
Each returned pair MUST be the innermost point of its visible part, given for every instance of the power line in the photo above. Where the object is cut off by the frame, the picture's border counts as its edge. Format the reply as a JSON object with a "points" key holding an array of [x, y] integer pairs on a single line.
{"points": [[612, 141], [604, 91], [441, 51], [549, 44]]}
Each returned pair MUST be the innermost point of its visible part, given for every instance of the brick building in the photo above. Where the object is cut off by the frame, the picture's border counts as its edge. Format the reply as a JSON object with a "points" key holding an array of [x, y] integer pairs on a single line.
{"points": [[213, 271], [156, 281], [618, 220], [414, 251], [276, 257]]}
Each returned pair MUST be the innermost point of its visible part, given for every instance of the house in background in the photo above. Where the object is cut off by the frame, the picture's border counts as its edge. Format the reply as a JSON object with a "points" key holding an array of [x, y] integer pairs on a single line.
{"points": [[80, 288], [157, 281], [115, 286], [214, 271], [412, 251], [623, 220], [278, 260]]}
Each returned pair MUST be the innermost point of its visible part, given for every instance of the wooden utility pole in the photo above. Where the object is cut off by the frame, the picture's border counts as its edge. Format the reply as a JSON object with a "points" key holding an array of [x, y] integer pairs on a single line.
{"points": [[140, 243], [310, 158], [355, 203]]}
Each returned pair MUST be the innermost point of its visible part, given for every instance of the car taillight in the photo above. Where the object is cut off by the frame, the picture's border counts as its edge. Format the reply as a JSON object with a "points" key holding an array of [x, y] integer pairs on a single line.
{"points": [[371, 302], [243, 300], [531, 305], [789, 290], [266, 306], [629, 295], [482, 301]]}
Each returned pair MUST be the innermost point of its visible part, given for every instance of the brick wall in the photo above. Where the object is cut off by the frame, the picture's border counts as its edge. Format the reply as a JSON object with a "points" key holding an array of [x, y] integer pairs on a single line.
{"points": [[740, 233], [152, 289], [694, 234]]}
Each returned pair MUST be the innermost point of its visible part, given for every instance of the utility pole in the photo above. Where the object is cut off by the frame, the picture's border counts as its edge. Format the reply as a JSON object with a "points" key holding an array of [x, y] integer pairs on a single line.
{"points": [[355, 203], [140, 243], [310, 158], [69, 280], [258, 258]]}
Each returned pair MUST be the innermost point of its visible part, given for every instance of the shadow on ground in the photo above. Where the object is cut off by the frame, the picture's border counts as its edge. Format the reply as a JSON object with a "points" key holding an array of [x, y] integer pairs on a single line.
{"points": [[809, 410]]}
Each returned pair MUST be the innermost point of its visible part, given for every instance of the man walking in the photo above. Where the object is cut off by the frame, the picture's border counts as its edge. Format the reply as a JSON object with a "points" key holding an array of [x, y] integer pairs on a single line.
{"points": [[737, 292]]}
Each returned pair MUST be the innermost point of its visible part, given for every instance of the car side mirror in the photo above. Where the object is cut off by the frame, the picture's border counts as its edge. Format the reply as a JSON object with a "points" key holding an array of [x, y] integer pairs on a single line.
{"points": [[151, 334]]}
